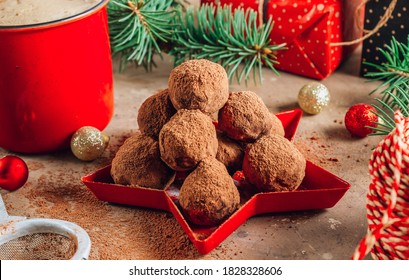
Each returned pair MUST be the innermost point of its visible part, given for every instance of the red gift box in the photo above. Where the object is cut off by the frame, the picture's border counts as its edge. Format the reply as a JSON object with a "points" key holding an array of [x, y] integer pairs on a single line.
{"points": [[308, 28]]}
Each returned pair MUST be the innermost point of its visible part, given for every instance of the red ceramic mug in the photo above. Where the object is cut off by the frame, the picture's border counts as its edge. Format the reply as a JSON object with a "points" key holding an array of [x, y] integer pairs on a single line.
{"points": [[55, 77]]}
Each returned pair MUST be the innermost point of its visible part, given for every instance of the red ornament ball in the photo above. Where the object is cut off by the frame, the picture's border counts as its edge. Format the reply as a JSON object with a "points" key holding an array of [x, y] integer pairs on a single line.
{"points": [[359, 117], [13, 173]]}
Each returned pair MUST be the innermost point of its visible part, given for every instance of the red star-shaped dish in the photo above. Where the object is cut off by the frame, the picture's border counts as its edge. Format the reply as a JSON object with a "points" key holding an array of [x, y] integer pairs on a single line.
{"points": [[320, 189]]}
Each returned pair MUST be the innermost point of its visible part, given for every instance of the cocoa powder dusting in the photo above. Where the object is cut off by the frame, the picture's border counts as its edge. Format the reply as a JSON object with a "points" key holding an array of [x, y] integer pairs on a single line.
{"points": [[245, 117], [277, 127], [154, 112], [273, 163], [230, 153], [208, 195], [186, 139], [138, 162], [198, 84]]}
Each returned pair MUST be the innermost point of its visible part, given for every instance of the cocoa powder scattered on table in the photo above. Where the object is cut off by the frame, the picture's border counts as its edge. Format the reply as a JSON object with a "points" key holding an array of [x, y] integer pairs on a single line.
{"points": [[116, 231], [315, 148]]}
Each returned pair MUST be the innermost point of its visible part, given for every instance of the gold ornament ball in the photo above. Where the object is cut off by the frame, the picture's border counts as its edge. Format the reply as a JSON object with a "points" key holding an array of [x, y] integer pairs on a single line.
{"points": [[313, 98], [88, 143]]}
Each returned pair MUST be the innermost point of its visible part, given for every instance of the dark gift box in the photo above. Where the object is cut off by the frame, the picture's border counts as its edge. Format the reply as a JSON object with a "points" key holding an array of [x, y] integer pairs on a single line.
{"points": [[397, 26]]}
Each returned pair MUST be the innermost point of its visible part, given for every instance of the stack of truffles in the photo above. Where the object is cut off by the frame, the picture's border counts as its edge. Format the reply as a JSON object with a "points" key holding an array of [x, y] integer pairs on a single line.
{"points": [[177, 133]]}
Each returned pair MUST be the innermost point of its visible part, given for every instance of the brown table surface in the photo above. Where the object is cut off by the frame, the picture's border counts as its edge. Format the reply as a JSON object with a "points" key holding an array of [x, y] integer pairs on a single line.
{"points": [[54, 188]]}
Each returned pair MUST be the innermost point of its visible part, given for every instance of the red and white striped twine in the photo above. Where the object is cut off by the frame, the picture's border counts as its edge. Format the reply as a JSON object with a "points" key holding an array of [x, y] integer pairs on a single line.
{"points": [[388, 197]]}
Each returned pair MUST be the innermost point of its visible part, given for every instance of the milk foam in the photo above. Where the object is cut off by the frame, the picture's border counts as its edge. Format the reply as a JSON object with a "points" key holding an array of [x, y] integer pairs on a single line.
{"points": [[23, 12]]}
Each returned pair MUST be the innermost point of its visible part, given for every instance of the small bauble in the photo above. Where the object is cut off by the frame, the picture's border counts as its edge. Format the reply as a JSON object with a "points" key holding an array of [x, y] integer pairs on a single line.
{"points": [[88, 143], [313, 98], [13, 173], [359, 118]]}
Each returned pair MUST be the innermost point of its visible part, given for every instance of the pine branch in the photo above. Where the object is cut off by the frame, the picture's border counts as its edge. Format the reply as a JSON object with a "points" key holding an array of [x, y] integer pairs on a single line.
{"points": [[137, 28], [394, 89], [231, 38], [180, 4]]}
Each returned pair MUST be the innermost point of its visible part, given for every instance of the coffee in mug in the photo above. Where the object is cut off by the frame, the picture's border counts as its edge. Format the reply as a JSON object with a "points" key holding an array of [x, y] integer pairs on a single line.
{"points": [[26, 12]]}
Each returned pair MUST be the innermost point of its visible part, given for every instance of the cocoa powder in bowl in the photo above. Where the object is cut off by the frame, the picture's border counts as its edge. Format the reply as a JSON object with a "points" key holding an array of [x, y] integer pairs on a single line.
{"points": [[154, 112], [198, 84], [208, 195], [138, 163], [273, 163], [245, 117], [186, 139]]}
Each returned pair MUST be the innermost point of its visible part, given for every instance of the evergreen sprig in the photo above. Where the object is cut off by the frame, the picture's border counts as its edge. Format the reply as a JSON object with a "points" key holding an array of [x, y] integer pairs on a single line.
{"points": [[394, 89], [138, 27], [232, 38]]}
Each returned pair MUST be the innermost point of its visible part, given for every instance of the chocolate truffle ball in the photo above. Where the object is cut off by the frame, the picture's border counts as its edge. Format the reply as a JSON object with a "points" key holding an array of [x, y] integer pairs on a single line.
{"points": [[186, 139], [245, 117], [199, 84], [208, 195], [230, 153], [277, 127], [138, 162], [273, 163], [154, 112]]}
